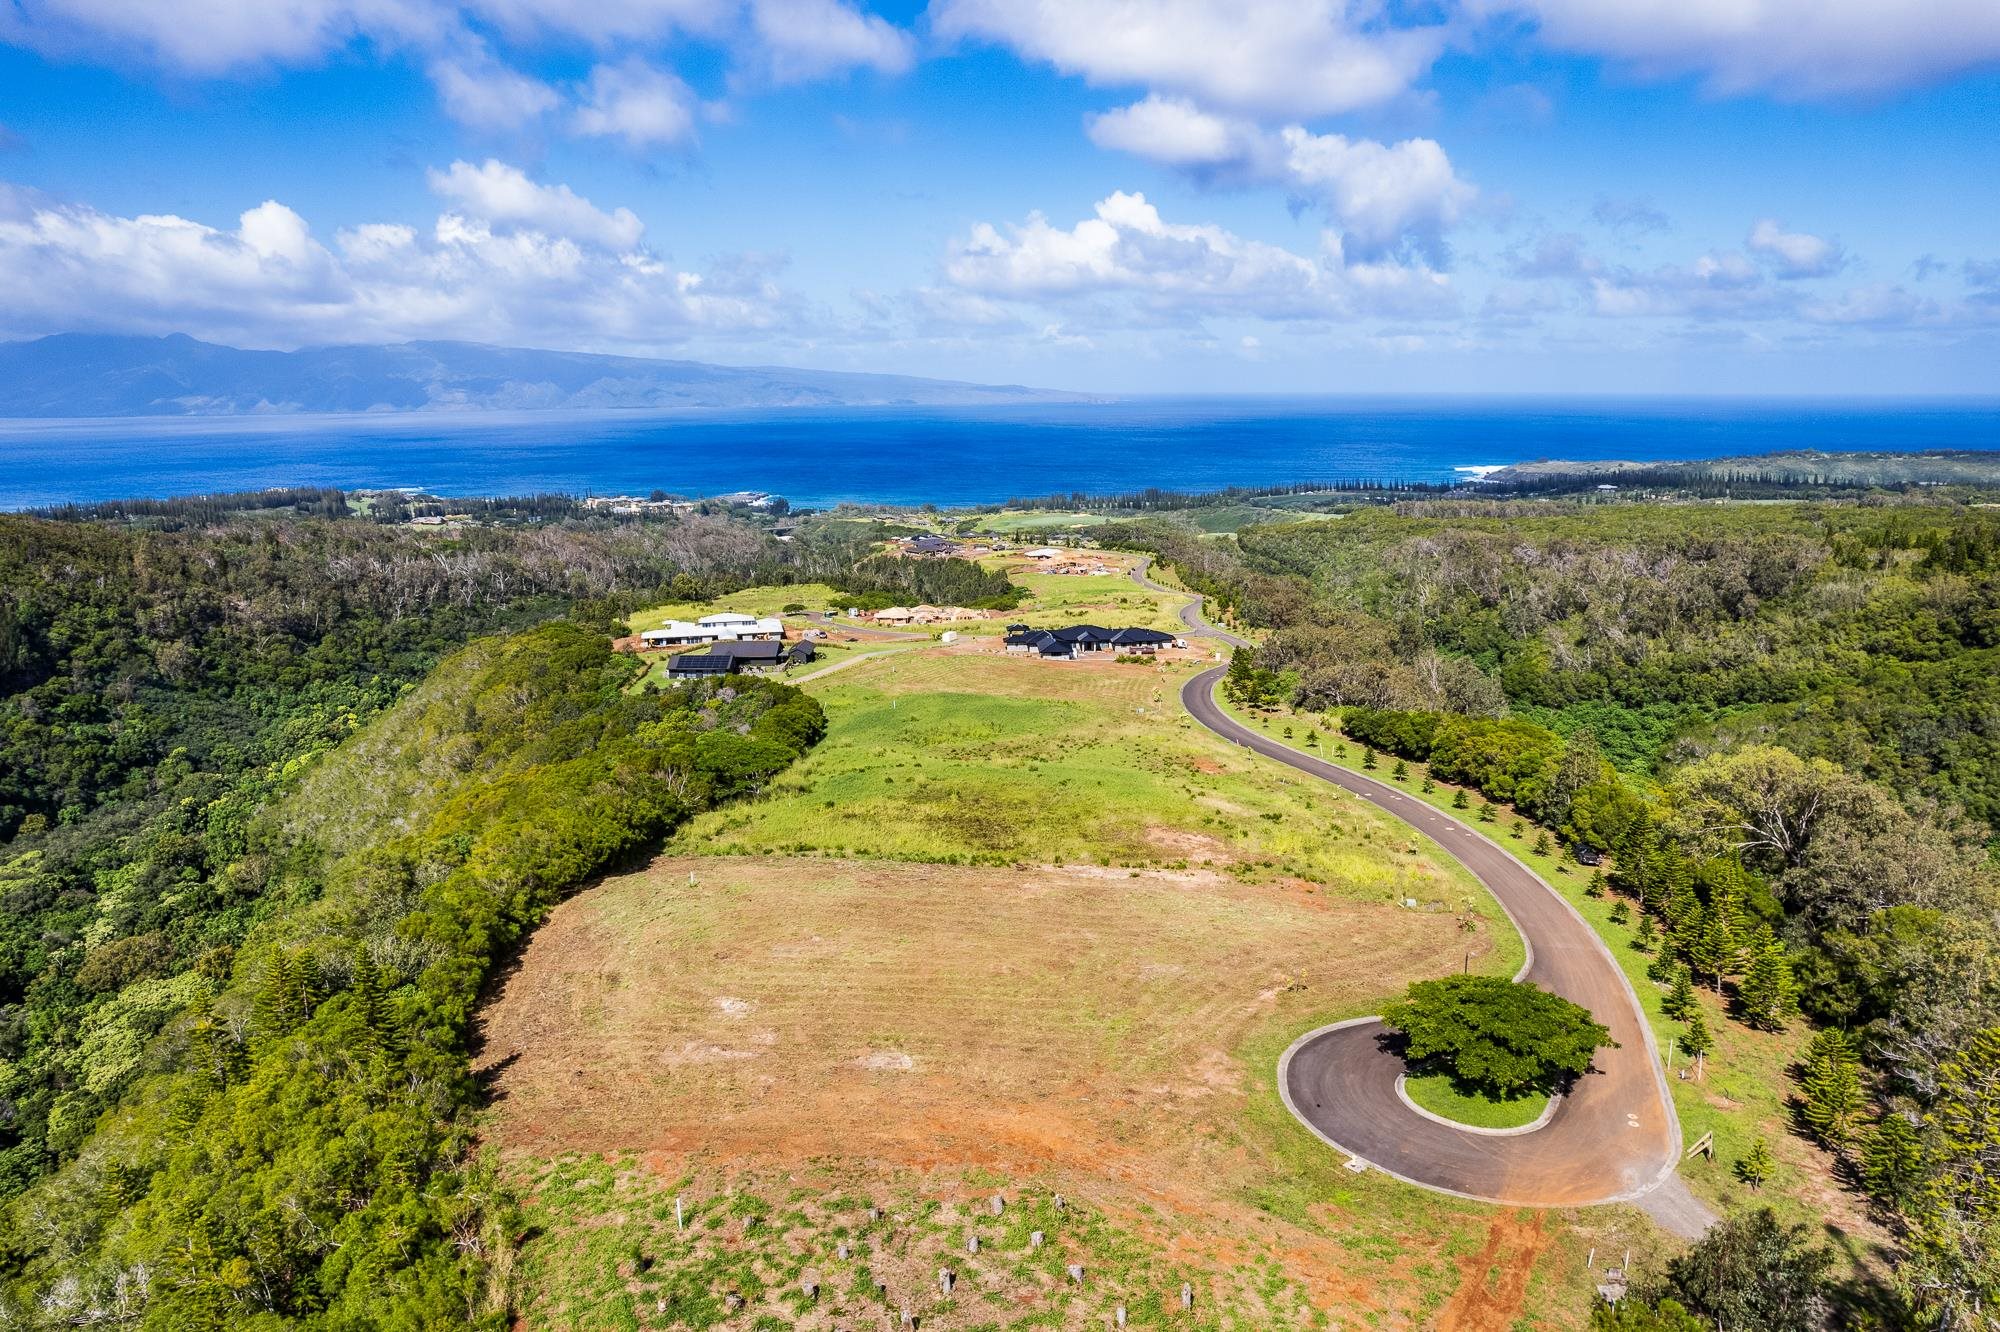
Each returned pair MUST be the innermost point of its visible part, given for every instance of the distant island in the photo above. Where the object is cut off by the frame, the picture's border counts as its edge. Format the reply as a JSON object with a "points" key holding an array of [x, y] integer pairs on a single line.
{"points": [[86, 375]]}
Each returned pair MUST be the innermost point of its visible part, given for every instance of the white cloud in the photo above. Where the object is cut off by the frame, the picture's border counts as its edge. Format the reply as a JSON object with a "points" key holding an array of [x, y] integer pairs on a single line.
{"points": [[269, 282], [497, 192], [1794, 254], [1880, 304], [811, 39], [211, 36], [1802, 48], [1269, 57], [1380, 195], [479, 91], [646, 107], [1127, 249]]}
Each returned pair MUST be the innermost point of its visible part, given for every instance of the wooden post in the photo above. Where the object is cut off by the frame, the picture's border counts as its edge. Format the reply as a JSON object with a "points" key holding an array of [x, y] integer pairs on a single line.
{"points": [[1187, 1297], [1118, 1315], [945, 1277], [680, 1222], [972, 1244]]}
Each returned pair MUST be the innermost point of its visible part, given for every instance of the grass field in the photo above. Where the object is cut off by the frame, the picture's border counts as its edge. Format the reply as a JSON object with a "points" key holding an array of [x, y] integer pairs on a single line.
{"points": [[1746, 1089], [1440, 1094], [1015, 927]]}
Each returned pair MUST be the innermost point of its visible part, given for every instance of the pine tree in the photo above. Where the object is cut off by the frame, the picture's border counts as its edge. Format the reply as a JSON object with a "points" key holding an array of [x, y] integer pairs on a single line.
{"points": [[1696, 1040], [1679, 1002], [1459, 800], [1682, 908], [1401, 772], [1755, 1167], [1595, 888], [371, 1005], [1517, 828], [1647, 936], [1486, 812], [1892, 1160], [1429, 786], [1713, 949], [1542, 845], [1368, 757], [275, 1012], [1833, 1098], [1620, 913], [1767, 989]]}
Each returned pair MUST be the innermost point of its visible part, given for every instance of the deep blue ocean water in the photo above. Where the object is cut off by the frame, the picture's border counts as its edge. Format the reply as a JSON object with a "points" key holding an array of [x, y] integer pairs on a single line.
{"points": [[941, 455]]}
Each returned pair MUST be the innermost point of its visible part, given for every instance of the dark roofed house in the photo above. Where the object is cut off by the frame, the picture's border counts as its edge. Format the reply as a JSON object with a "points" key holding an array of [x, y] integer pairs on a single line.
{"points": [[930, 545], [1072, 642], [728, 658]]}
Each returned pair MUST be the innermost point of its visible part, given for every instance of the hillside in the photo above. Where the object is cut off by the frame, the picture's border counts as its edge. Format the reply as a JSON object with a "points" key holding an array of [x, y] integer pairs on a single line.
{"points": [[75, 374]]}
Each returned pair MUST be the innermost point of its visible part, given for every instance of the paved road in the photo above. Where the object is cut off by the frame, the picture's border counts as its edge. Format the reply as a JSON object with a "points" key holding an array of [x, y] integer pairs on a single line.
{"points": [[834, 626], [1190, 613], [1613, 1138]]}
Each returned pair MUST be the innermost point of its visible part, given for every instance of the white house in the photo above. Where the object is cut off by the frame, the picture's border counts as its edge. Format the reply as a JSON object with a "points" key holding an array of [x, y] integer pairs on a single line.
{"points": [[726, 627]]}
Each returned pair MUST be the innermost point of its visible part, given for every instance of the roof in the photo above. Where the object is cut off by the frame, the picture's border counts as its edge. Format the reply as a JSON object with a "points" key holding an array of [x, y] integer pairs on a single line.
{"points": [[702, 663], [728, 617], [756, 649], [930, 543], [1087, 633]]}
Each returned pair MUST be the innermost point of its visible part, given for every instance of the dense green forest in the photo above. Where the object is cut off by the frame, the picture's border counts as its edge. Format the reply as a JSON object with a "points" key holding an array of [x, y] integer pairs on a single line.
{"points": [[1781, 722], [266, 822]]}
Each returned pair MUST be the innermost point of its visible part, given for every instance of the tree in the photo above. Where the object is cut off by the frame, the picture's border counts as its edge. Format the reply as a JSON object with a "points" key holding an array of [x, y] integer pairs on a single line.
{"points": [[1954, 1262], [1892, 1161], [1755, 1167], [1767, 988], [1648, 934], [1459, 800], [1752, 1273], [1635, 1315], [1832, 1084], [1486, 812], [1516, 829], [1401, 772], [1679, 1002], [1713, 948], [1429, 785], [1696, 1039], [1542, 844], [1595, 888], [1368, 757], [1504, 1037]]}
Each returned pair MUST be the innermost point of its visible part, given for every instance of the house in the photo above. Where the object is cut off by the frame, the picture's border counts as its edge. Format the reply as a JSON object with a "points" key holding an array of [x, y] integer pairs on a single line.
{"points": [[926, 614], [724, 627], [895, 615], [1070, 643], [929, 545], [754, 655], [1043, 553]]}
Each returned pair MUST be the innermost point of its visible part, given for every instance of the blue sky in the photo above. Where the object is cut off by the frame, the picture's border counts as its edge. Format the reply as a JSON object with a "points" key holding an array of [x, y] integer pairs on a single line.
{"points": [[1736, 196]]}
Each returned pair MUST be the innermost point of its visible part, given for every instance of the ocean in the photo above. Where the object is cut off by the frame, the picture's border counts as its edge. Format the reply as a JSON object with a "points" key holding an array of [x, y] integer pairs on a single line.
{"points": [[945, 456]]}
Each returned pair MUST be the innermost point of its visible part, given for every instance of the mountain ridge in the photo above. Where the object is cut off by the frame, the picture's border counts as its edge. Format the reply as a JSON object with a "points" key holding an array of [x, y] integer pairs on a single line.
{"points": [[112, 375]]}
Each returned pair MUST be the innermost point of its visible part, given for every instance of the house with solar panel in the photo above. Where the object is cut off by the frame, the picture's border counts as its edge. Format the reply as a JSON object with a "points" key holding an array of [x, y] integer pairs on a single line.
{"points": [[1079, 640]]}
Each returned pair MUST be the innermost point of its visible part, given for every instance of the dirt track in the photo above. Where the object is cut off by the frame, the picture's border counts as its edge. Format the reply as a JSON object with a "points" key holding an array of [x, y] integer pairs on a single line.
{"points": [[1613, 1138]]}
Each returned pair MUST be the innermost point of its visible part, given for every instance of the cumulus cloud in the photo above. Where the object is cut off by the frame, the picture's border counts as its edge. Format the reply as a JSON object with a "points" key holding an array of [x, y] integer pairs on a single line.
{"points": [[1381, 196], [1268, 57], [477, 90], [810, 39], [783, 41], [1794, 254], [497, 192], [510, 276], [645, 106], [1799, 48], [1127, 248]]}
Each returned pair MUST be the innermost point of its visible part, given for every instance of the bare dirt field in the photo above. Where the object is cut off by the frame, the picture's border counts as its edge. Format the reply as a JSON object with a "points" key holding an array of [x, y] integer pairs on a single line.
{"points": [[809, 1034]]}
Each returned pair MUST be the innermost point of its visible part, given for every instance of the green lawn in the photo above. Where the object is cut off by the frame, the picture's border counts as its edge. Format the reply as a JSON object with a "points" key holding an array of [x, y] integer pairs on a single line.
{"points": [[1441, 1094]]}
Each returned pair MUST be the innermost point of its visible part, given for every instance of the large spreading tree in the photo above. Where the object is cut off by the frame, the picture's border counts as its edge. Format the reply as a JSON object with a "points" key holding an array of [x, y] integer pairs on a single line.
{"points": [[1503, 1037]]}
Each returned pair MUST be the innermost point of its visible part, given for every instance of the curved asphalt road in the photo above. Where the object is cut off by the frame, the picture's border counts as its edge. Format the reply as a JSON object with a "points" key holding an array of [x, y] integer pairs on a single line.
{"points": [[1190, 613], [1615, 1136]]}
